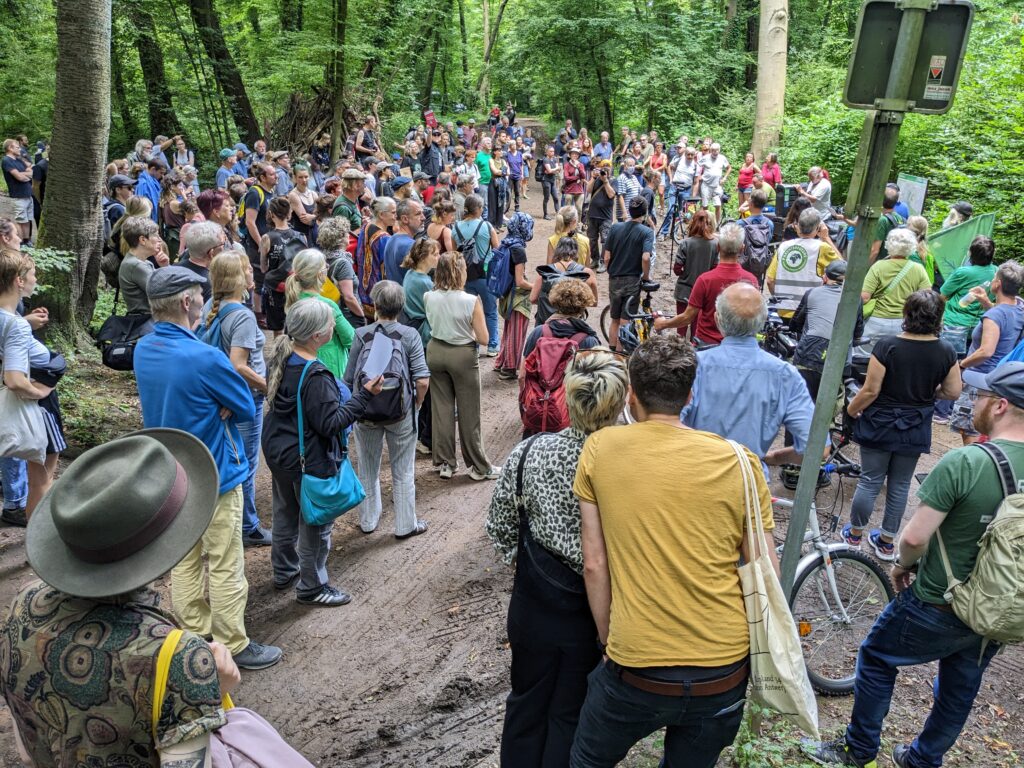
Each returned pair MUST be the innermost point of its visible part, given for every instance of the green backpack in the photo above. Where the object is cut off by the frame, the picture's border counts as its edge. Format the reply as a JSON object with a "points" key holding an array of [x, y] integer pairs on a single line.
{"points": [[991, 600]]}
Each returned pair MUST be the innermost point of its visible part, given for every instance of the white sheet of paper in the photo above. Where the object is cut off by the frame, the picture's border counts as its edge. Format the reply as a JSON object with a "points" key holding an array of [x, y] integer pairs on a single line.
{"points": [[378, 358]]}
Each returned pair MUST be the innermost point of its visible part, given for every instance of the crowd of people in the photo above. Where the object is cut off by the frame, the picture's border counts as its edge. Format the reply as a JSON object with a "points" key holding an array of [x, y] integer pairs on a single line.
{"points": [[298, 309]]}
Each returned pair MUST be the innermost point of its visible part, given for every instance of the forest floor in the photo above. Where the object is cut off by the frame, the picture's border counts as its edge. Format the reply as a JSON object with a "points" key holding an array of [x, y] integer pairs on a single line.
{"points": [[414, 672]]}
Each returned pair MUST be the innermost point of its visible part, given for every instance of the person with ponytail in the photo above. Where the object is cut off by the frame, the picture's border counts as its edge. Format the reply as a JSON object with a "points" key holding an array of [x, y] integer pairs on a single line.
{"points": [[566, 223], [298, 553], [309, 270], [230, 325]]}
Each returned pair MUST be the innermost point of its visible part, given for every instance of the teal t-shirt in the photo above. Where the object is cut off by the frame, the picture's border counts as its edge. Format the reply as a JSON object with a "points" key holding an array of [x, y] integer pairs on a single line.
{"points": [[483, 163], [966, 486], [416, 284], [956, 286]]}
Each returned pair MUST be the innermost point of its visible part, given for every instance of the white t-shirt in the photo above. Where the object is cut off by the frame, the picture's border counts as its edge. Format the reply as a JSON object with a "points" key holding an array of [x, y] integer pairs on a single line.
{"points": [[450, 314], [19, 349], [713, 169], [822, 192], [685, 172]]}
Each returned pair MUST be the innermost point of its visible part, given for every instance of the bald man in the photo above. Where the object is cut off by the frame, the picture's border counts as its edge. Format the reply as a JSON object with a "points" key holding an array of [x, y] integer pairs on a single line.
{"points": [[743, 393]]}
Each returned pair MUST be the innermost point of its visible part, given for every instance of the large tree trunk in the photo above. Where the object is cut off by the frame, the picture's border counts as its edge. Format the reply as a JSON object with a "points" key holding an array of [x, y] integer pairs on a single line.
{"points": [[465, 47], [128, 123], [291, 15], [338, 78], [224, 69], [483, 83], [72, 214], [773, 39], [428, 86], [162, 118]]}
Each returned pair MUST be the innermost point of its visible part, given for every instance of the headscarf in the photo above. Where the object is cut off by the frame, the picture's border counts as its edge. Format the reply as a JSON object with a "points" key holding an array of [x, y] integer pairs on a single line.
{"points": [[520, 227]]}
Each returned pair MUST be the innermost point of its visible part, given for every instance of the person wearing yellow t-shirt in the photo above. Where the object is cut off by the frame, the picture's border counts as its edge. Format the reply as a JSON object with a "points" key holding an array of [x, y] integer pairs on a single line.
{"points": [[566, 225], [799, 264], [659, 555]]}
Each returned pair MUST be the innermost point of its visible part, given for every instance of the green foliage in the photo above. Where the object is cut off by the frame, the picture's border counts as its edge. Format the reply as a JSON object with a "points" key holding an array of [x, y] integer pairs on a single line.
{"points": [[773, 744], [51, 264]]}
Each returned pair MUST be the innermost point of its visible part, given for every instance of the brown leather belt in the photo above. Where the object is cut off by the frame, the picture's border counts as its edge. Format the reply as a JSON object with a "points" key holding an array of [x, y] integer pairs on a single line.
{"points": [[944, 607], [695, 688]]}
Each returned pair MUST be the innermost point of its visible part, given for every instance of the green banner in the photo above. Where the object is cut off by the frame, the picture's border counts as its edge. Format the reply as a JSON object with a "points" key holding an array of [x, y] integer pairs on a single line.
{"points": [[950, 245]]}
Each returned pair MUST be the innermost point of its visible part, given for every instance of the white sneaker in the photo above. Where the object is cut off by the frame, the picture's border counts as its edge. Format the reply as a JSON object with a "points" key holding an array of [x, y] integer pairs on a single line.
{"points": [[421, 449], [494, 474], [446, 471]]}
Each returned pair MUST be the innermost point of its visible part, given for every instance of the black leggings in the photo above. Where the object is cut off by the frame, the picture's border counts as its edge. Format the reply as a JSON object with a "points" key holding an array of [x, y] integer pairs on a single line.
{"points": [[513, 196], [549, 193]]}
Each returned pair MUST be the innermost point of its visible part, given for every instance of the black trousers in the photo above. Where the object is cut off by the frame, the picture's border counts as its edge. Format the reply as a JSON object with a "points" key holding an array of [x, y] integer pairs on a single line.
{"points": [[552, 654], [423, 430], [514, 196], [494, 212], [813, 379], [548, 185]]}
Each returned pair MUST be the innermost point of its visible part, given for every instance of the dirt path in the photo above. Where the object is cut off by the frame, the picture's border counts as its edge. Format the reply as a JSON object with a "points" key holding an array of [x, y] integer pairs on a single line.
{"points": [[415, 670]]}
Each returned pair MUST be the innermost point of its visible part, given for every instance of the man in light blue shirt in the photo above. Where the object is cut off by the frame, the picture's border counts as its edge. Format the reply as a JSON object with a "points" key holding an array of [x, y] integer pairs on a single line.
{"points": [[743, 393]]}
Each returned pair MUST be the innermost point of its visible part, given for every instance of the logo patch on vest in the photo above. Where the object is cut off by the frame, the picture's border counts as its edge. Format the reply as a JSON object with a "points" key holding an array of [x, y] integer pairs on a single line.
{"points": [[795, 258]]}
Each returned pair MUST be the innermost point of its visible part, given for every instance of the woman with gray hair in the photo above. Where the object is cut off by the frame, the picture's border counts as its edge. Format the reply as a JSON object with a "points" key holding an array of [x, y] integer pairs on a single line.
{"points": [[332, 238], [1000, 330], [534, 520], [299, 550], [389, 300], [888, 285], [309, 271]]}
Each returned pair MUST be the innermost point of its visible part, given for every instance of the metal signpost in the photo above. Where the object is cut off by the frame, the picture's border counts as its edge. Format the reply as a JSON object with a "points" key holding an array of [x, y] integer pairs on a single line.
{"points": [[907, 58]]}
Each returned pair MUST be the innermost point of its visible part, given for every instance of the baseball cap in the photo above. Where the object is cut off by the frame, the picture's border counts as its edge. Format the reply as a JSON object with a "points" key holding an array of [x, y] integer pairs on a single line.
{"points": [[240, 147], [1007, 380], [170, 281], [382, 166], [400, 181], [226, 153], [836, 270], [964, 208], [119, 180]]}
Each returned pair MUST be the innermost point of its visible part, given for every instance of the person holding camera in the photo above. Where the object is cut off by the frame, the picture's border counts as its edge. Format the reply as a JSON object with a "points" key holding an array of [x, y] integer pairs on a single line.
{"points": [[600, 211], [430, 156]]}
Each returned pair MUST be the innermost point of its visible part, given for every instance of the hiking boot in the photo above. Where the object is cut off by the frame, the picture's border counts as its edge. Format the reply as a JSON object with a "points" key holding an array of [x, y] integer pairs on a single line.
{"points": [[506, 374], [493, 474], [422, 450], [446, 471], [849, 538], [884, 550], [327, 597], [258, 656], [901, 755], [834, 753], [258, 537], [15, 517]]}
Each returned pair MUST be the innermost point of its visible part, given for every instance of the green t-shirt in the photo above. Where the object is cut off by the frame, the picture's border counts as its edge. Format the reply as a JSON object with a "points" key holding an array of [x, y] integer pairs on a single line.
{"points": [[966, 486], [887, 222], [345, 207], [882, 273], [956, 286], [483, 162]]}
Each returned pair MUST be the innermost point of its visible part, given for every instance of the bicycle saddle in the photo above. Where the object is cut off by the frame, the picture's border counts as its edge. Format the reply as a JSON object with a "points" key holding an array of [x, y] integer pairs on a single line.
{"points": [[649, 286]]}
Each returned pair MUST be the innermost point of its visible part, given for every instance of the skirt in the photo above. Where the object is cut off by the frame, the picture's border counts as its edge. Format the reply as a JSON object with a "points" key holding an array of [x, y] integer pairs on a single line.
{"points": [[512, 341], [55, 442]]}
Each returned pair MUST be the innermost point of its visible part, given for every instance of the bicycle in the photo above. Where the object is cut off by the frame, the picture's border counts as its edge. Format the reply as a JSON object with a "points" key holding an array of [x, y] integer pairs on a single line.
{"points": [[637, 324], [680, 214]]}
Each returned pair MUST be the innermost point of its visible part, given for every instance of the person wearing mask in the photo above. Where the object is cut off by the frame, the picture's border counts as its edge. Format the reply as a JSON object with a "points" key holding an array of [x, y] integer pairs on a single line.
{"points": [[890, 282], [144, 247], [567, 222], [389, 299], [697, 254], [893, 416], [485, 237], [309, 271], [299, 550], [627, 257], [515, 305], [230, 325], [457, 326], [1000, 330], [188, 385], [552, 640]]}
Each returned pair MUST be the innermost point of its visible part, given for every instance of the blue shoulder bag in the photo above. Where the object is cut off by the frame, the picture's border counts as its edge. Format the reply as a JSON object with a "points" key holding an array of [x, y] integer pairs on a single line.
{"points": [[322, 500]]}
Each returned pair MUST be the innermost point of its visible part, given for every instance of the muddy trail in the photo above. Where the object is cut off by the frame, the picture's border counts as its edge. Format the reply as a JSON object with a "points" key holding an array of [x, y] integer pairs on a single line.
{"points": [[414, 671]]}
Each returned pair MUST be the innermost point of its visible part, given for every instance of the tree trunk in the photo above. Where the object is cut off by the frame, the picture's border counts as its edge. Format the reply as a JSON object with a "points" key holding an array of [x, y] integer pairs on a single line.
{"points": [[483, 85], [72, 214], [224, 68], [128, 123], [291, 15], [162, 118], [338, 78], [465, 47], [428, 87], [750, 70], [773, 39], [603, 87]]}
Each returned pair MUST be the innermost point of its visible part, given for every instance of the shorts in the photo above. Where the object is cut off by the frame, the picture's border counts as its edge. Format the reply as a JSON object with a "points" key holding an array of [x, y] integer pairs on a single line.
{"points": [[710, 196], [957, 336], [23, 210], [273, 309], [962, 418], [745, 190], [50, 406], [253, 252], [621, 290]]}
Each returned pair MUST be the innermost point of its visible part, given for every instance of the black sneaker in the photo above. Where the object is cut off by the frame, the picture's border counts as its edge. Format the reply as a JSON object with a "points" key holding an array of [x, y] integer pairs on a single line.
{"points": [[328, 597], [258, 656], [290, 582], [834, 753], [901, 755], [15, 517], [260, 537]]}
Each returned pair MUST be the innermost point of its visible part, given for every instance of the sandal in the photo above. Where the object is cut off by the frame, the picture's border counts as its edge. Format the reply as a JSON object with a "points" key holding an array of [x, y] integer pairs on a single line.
{"points": [[421, 527]]}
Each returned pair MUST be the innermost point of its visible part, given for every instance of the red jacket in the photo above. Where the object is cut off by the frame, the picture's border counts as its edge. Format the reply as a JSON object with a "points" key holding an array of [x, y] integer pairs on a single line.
{"points": [[573, 178]]}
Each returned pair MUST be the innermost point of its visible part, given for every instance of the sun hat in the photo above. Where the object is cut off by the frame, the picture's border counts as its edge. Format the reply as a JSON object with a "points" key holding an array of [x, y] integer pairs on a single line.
{"points": [[124, 513]]}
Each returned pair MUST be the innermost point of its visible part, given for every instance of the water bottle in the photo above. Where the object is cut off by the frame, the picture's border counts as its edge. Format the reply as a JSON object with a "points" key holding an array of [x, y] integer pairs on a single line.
{"points": [[969, 298]]}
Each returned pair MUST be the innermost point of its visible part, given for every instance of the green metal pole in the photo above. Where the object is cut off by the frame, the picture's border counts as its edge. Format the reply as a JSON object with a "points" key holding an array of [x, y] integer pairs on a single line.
{"points": [[873, 171]]}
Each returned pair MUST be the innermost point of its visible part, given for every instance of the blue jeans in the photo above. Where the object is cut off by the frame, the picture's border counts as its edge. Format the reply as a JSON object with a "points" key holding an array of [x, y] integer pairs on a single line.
{"points": [[15, 480], [678, 197], [484, 190], [616, 716], [911, 632], [250, 432], [478, 287], [897, 471]]}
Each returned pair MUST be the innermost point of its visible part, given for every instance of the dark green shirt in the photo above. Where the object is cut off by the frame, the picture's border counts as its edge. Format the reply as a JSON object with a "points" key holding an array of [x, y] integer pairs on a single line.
{"points": [[965, 485], [887, 222], [345, 207]]}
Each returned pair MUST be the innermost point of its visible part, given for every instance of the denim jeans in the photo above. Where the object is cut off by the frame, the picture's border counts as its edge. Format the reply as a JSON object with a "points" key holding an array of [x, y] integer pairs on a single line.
{"points": [[677, 197], [897, 471], [484, 191], [15, 480], [250, 432], [911, 632], [478, 287], [616, 716]]}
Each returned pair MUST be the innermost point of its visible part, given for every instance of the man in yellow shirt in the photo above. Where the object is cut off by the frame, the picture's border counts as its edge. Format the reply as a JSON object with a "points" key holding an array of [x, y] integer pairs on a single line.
{"points": [[660, 552]]}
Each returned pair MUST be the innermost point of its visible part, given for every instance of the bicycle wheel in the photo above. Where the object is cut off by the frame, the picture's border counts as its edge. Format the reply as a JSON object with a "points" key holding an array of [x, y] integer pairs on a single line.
{"points": [[678, 229], [830, 642], [606, 321]]}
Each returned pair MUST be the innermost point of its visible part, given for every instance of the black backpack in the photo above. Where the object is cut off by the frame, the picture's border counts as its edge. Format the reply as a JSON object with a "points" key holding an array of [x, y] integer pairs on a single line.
{"points": [[395, 399], [281, 260], [757, 253]]}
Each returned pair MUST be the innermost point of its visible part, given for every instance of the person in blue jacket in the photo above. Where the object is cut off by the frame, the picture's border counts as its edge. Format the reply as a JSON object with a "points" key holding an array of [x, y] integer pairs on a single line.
{"points": [[189, 385]]}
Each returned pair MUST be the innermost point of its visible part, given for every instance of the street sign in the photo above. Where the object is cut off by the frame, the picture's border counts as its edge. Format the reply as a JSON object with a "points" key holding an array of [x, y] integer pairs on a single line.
{"points": [[939, 57]]}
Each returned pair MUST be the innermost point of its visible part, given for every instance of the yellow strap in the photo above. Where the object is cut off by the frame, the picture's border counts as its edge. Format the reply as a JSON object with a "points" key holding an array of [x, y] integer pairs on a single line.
{"points": [[163, 668]]}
